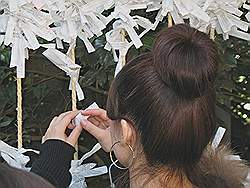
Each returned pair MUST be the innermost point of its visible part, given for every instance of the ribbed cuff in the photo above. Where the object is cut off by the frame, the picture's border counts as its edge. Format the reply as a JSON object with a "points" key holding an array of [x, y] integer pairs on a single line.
{"points": [[54, 162]]}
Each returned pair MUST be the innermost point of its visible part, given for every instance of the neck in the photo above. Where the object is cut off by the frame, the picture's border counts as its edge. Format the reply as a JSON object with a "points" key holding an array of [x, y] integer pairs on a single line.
{"points": [[140, 179], [157, 182]]}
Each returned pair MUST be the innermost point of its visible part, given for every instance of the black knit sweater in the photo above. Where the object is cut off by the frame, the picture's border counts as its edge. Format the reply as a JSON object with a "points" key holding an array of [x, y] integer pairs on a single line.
{"points": [[54, 163]]}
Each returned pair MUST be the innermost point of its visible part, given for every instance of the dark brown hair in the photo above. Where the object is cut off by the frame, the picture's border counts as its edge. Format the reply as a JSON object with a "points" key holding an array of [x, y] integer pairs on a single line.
{"points": [[169, 96], [16, 178]]}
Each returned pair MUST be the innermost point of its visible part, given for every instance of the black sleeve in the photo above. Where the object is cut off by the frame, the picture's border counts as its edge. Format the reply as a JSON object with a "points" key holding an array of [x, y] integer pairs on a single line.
{"points": [[54, 162]]}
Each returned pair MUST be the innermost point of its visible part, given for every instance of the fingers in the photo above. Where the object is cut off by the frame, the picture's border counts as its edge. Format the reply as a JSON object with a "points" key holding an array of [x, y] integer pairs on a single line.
{"points": [[98, 117], [97, 126], [97, 122], [52, 123], [74, 135], [71, 126], [102, 135], [60, 123], [66, 120], [96, 112], [97, 132], [58, 127], [58, 118], [94, 120], [61, 116]]}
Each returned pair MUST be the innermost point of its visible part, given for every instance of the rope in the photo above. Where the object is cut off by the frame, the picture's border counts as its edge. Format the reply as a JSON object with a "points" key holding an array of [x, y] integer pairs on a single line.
{"points": [[123, 37], [212, 33], [19, 114], [73, 95], [170, 20]]}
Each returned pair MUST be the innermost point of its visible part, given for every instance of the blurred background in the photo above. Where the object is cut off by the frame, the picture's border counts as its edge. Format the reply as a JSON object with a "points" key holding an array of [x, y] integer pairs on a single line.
{"points": [[46, 94]]}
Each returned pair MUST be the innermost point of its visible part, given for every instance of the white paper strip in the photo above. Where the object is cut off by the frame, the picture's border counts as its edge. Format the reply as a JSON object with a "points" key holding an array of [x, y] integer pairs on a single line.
{"points": [[18, 56], [80, 171], [248, 16], [30, 36], [14, 157], [225, 17], [80, 117], [10, 30], [65, 63], [3, 27], [218, 137]]}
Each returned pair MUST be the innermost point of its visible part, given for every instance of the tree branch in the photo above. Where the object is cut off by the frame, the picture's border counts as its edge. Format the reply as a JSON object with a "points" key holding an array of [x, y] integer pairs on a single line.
{"points": [[103, 92]]}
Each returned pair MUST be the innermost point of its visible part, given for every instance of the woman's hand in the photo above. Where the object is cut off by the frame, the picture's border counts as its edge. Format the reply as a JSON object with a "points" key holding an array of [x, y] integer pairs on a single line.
{"points": [[98, 125], [58, 127]]}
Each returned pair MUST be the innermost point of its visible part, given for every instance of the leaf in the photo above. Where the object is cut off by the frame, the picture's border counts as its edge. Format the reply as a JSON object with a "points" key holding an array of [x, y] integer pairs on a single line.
{"points": [[230, 60]]}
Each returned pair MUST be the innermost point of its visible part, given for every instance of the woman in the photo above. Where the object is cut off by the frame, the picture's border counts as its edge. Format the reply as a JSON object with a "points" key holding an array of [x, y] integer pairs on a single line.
{"points": [[160, 118]]}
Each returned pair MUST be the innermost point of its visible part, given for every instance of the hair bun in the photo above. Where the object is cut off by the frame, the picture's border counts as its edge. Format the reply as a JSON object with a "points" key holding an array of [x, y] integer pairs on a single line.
{"points": [[186, 60]]}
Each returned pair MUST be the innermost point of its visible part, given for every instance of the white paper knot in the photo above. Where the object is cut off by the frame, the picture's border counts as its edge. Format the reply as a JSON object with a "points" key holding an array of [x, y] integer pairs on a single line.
{"points": [[80, 117], [65, 63], [81, 171], [224, 17], [24, 24], [78, 19], [15, 157]]}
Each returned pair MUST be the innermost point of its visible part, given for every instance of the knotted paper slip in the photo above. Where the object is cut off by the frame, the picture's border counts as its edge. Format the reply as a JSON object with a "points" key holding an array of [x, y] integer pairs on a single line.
{"points": [[65, 63]]}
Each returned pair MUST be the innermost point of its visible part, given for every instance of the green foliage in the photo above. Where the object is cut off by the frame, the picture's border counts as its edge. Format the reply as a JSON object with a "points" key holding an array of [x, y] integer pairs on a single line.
{"points": [[233, 89]]}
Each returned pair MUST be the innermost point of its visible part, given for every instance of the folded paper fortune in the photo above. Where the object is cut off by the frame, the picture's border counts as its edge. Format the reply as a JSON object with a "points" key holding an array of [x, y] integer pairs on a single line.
{"points": [[80, 117]]}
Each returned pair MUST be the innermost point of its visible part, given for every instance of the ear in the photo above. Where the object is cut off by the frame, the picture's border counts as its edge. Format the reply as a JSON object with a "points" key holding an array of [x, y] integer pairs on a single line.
{"points": [[128, 132]]}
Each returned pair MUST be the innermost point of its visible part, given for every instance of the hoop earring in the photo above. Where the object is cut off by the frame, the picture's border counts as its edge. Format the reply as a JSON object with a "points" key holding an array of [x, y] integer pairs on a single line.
{"points": [[114, 162], [112, 185]]}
